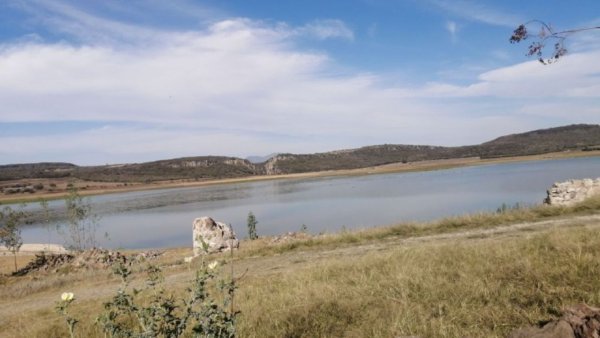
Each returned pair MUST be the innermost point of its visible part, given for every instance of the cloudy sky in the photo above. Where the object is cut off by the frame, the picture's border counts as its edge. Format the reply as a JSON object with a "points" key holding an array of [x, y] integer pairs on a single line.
{"points": [[96, 82]]}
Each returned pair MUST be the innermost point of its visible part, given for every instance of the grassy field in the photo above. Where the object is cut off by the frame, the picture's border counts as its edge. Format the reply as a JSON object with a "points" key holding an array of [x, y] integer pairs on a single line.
{"points": [[472, 276]]}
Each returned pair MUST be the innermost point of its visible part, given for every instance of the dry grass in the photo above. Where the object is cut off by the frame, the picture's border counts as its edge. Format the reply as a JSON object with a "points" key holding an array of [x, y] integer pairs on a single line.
{"points": [[7, 263], [366, 284], [479, 288]]}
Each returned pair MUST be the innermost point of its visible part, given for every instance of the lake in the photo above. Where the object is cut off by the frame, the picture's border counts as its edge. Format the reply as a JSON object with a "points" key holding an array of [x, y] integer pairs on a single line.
{"points": [[163, 218]]}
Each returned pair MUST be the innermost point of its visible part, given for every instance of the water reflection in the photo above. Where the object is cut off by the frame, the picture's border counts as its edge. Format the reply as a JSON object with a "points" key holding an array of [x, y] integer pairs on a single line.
{"points": [[160, 218]]}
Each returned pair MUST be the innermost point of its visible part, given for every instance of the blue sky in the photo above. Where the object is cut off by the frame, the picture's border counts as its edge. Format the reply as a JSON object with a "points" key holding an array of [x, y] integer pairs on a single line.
{"points": [[95, 82]]}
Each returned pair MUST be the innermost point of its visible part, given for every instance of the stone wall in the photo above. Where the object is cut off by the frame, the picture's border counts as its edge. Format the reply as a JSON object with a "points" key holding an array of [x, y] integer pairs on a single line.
{"points": [[573, 191]]}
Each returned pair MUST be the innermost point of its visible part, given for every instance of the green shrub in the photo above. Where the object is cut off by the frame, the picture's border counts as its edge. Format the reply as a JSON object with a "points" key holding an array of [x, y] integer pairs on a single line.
{"points": [[154, 312], [252, 226]]}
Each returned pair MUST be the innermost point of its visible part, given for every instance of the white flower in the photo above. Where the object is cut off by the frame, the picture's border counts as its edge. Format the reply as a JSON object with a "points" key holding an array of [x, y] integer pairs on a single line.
{"points": [[213, 265], [67, 296]]}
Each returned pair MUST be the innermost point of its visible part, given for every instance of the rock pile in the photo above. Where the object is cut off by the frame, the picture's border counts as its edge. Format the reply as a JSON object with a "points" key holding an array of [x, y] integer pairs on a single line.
{"points": [[90, 259], [217, 236], [98, 259], [573, 191], [579, 321], [290, 237], [45, 262], [147, 255]]}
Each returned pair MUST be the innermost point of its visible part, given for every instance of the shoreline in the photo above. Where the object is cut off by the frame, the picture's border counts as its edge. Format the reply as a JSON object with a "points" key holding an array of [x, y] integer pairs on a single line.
{"points": [[428, 165], [30, 249]]}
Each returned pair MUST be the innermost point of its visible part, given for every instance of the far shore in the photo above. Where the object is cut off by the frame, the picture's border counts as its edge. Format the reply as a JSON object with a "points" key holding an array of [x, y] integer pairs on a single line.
{"points": [[100, 188], [29, 249]]}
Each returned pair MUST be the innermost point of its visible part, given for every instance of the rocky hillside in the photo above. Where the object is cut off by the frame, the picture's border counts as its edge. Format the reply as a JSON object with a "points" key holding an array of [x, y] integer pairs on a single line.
{"points": [[36, 170], [577, 136], [364, 157], [571, 137], [535, 142], [199, 168]]}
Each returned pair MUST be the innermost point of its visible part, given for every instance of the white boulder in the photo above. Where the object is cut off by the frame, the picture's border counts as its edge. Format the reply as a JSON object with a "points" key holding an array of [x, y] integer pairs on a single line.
{"points": [[216, 236]]}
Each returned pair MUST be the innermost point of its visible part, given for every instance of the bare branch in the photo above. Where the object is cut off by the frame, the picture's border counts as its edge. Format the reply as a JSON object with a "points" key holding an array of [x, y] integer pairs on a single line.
{"points": [[546, 35]]}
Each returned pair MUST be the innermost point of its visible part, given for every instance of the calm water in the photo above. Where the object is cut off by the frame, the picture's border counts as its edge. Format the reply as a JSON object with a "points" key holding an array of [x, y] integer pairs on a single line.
{"points": [[163, 218]]}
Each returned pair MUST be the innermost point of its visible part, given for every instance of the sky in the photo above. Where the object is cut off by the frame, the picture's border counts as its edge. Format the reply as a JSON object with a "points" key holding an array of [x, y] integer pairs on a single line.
{"points": [[123, 81]]}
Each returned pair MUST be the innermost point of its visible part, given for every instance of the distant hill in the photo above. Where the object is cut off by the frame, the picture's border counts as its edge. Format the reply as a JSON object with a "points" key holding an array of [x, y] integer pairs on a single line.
{"points": [[573, 137], [541, 141], [36, 170], [364, 157], [198, 168]]}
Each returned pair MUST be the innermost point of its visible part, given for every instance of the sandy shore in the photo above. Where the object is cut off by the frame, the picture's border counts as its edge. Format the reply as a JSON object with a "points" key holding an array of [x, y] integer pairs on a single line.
{"points": [[109, 188], [33, 248]]}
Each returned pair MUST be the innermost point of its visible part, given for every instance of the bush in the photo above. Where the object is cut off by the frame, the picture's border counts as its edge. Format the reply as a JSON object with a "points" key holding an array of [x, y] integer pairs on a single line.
{"points": [[252, 226], [152, 312], [81, 224], [10, 229]]}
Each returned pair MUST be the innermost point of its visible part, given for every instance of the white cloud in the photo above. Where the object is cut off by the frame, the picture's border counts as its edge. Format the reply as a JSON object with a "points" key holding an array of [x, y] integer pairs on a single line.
{"points": [[476, 11], [62, 17], [584, 40], [575, 76], [326, 29], [452, 28], [241, 87]]}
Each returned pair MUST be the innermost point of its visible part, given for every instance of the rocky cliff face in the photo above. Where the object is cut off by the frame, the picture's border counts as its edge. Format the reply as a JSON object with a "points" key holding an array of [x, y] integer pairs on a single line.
{"points": [[244, 163], [271, 167], [572, 192], [207, 162]]}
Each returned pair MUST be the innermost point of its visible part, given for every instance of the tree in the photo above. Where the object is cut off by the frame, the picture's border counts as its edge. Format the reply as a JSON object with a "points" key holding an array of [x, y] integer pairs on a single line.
{"points": [[81, 222], [546, 35], [252, 226], [46, 214], [10, 229]]}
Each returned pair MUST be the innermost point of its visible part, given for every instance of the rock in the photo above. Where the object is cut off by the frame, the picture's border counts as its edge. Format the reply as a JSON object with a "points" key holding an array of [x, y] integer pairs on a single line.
{"points": [[290, 237], [560, 329], [146, 255], [572, 192], [188, 259], [579, 321], [94, 258], [218, 236], [45, 262], [584, 319]]}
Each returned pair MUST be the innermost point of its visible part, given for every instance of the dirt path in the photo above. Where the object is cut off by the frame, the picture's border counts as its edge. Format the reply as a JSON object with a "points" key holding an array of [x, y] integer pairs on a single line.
{"points": [[292, 260], [104, 287]]}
